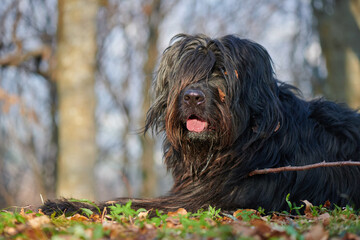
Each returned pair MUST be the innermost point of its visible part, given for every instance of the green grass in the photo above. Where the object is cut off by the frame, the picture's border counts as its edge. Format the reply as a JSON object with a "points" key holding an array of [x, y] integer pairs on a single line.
{"points": [[121, 221]]}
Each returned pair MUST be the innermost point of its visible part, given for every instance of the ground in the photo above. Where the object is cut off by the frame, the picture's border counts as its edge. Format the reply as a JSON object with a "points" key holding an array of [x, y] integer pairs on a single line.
{"points": [[122, 222]]}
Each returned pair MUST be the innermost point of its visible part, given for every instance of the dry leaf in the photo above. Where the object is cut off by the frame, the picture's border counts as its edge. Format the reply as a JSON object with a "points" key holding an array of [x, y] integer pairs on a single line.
{"points": [[39, 221], [40, 211], [248, 212], [279, 219], [308, 206], [180, 211], [78, 217], [261, 226], [95, 218], [327, 204], [317, 232], [244, 231], [143, 215], [350, 236], [172, 222], [264, 229], [10, 231], [22, 212], [324, 219], [222, 95]]}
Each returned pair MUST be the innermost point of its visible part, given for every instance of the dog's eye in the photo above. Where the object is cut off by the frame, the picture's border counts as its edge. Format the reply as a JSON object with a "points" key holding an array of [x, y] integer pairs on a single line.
{"points": [[221, 95]]}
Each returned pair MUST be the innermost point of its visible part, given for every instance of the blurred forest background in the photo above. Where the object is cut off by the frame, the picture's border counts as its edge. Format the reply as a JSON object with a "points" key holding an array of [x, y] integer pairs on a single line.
{"points": [[75, 78]]}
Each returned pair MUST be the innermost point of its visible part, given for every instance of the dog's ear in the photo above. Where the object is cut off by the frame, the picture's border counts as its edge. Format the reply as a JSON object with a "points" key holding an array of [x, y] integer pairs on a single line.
{"points": [[259, 92], [263, 92], [156, 113], [155, 117]]}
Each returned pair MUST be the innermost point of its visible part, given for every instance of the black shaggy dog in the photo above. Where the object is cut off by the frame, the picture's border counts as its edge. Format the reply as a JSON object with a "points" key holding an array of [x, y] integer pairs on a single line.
{"points": [[225, 114]]}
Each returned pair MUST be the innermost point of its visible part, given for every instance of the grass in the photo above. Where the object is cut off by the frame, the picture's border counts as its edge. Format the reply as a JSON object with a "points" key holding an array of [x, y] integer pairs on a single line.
{"points": [[123, 222]]}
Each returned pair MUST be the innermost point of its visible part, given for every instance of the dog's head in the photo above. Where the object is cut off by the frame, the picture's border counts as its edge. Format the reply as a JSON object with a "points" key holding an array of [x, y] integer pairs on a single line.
{"points": [[214, 90]]}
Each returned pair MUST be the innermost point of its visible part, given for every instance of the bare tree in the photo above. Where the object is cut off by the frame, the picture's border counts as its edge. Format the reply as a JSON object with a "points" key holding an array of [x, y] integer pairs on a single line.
{"points": [[338, 25], [28, 111], [154, 17], [75, 77]]}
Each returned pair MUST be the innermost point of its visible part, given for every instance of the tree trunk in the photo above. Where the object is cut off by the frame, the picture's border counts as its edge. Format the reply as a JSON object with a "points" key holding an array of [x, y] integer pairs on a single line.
{"points": [[75, 70], [338, 24], [148, 173]]}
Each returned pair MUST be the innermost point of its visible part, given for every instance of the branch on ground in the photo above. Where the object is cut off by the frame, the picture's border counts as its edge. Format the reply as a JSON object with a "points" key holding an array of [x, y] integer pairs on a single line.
{"points": [[303, 168]]}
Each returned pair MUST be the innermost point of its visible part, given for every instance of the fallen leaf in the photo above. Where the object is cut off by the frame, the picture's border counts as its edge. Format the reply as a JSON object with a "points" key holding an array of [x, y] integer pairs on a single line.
{"points": [[308, 206], [95, 218], [38, 221], [280, 219], [143, 215], [317, 232], [350, 236], [40, 211], [22, 212], [78, 217], [245, 212], [10, 230], [172, 222], [261, 226], [180, 211], [327, 204], [324, 218], [149, 226], [244, 231]]}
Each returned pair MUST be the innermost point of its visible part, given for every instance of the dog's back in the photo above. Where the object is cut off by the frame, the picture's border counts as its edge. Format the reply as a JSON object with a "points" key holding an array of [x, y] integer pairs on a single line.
{"points": [[311, 132]]}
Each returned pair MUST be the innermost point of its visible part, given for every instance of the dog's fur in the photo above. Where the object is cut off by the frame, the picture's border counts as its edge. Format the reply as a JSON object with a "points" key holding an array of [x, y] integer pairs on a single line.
{"points": [[243, 119]]}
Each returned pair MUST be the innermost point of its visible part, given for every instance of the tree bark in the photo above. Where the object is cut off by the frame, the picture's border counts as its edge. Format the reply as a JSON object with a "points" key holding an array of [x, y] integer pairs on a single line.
{"points": [[338, 25], [75, 70], [147, 161]]}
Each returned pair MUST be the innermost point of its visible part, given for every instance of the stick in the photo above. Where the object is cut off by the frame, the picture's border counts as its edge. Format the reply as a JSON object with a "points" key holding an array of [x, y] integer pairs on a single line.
{"points": [[303, 168]]}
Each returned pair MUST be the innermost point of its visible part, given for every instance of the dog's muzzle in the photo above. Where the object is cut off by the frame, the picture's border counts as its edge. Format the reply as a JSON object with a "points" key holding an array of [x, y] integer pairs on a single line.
{"points": [[194, 99]]}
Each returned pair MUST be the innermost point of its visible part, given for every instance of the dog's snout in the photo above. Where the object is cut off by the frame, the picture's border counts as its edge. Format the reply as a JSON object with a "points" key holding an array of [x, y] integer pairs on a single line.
{"points": [[194, 97]]}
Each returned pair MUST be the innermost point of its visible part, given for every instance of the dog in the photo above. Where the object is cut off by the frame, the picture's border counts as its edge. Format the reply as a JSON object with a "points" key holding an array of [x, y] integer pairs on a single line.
{"points": [[225, 114]]}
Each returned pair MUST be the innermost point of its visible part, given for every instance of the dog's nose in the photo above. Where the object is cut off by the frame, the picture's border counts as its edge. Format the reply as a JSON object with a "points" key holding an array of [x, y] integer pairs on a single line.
{"points": [[194, 97]]}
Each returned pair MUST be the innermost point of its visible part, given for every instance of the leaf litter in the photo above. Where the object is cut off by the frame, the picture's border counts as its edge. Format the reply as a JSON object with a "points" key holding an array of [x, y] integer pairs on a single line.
{"points": [[123, 222]]}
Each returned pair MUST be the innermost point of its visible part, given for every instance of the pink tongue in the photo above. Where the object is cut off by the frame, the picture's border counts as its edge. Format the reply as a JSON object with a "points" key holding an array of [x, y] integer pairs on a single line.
{"points": [[195, 125]]}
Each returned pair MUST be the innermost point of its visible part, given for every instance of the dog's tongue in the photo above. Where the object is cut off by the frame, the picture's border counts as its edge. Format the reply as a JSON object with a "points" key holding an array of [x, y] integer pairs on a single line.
{"points": [[196, 125]]}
